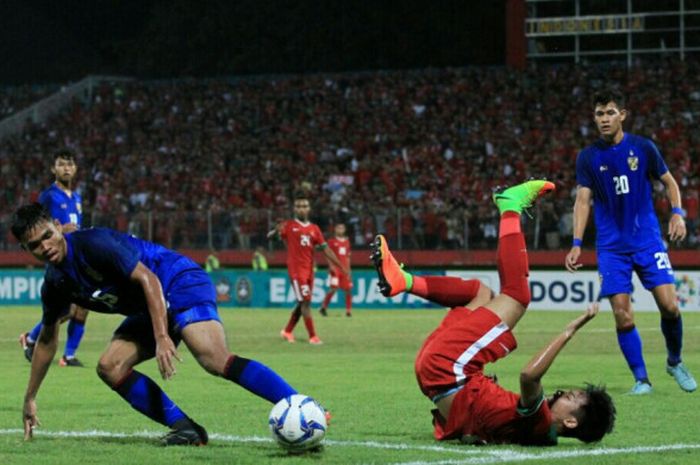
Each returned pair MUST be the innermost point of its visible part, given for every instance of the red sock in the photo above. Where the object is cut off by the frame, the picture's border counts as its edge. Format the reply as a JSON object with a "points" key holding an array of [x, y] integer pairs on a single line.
{"points": [[309, 323], [327, 298], [510, 224], [293, 319], [513, 267], [448, 291], [348, 302]]}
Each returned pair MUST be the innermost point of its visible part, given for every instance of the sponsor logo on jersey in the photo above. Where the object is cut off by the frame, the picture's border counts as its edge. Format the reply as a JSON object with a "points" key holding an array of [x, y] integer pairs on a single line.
{"points": [[603, 168]]}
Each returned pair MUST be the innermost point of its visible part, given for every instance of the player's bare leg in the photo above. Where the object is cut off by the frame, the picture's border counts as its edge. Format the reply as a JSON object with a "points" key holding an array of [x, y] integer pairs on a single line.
{"points": [[672, 329], [207, 342]]}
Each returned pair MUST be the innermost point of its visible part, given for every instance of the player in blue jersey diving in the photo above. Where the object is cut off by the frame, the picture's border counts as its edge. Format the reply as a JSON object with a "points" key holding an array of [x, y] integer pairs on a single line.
{"points": [[64, 204], [616, 173], [165, 296]]}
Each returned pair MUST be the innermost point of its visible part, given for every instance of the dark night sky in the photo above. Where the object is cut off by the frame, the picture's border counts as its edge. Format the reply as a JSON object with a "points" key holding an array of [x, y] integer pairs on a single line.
{"points": [[53, 41]]}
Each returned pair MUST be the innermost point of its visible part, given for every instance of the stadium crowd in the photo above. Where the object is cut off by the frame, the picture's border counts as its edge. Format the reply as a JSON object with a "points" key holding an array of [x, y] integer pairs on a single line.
{"points": [[16, 98], [408, 154]]}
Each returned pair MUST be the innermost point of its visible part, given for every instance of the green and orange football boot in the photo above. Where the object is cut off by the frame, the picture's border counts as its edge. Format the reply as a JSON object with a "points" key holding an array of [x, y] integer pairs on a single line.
{"points": [[392, 278], [520, 197]]}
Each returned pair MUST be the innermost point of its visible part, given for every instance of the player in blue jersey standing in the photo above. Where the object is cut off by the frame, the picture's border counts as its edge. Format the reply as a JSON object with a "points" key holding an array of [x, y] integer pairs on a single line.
{"points": [[166, 298], [64, 205], [616, 173]]}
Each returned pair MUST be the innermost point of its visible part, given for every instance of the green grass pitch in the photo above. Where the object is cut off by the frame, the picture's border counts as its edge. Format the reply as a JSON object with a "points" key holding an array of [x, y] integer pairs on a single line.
{"points": [[363, 374]]}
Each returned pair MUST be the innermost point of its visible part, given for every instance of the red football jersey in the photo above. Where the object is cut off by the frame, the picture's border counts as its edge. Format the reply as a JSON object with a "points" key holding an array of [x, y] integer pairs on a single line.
{"points": [[341, 249], [484, 409], [301, 239]]}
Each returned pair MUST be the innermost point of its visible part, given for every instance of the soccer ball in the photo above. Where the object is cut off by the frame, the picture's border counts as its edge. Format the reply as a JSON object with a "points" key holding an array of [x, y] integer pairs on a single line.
{"points": [[298, 423]]}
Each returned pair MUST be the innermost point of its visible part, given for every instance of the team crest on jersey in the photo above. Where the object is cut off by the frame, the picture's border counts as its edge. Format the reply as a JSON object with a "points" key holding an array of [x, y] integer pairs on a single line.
{"points": [[79, 207], [633, 161]]}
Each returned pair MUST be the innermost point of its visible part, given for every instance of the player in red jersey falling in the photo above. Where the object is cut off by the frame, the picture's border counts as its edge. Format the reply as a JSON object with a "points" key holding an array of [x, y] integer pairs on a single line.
{"points": [[340, 245], [302, 238], [477, 330]]}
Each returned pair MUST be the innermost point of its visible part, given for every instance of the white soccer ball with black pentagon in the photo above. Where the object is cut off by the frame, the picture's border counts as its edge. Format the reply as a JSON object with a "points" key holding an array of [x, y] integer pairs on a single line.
{"points": [[298, 423]]}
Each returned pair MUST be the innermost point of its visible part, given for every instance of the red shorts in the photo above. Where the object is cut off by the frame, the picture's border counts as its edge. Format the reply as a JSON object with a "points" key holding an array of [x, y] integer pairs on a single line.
{"points": [[303, 287], [339, 280], [460, 346]]}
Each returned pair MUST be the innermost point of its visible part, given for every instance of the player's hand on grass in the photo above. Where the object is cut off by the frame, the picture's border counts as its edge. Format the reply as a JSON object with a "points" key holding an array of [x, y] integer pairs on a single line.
{"points": [[676, 228], [571, 262], [166, 354], [29, 419], [588, 315]]}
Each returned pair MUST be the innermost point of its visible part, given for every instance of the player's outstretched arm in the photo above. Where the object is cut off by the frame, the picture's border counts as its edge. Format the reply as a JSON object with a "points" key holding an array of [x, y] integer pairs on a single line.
{"points": [[165, 348], [331, 257], [276, 232], [676, 225], [44, 351], [582, 209], [531, 375]]}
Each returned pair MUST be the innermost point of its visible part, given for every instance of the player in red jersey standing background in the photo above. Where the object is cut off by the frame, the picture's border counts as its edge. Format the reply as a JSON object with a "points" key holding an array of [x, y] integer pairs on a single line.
{"points": [[340, 245], [302, 238]]}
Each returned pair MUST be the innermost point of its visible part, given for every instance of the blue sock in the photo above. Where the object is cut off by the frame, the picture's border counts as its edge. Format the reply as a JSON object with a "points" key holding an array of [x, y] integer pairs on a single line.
{"points": [[148, 398], [34, 333], [631, 346], [673, 333], [258, 379], [76, 329]]}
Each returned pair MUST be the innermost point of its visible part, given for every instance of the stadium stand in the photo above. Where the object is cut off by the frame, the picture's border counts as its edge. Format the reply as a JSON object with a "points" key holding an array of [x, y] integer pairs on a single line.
{"points": [[212, 163]]}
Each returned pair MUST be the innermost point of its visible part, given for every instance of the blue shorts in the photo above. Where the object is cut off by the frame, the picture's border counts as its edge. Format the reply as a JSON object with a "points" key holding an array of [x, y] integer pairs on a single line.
{"points": [[139, 329], [652, 265], [191, 298]]}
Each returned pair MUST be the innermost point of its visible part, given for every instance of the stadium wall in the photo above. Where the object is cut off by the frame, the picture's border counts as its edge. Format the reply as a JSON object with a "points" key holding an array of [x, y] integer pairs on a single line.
{"points": [[551, 290]]}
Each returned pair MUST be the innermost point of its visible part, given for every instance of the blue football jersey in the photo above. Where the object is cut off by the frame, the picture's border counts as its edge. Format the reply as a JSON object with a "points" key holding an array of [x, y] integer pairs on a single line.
{"points": [[620, 177], [61, 206], [96, 275]]}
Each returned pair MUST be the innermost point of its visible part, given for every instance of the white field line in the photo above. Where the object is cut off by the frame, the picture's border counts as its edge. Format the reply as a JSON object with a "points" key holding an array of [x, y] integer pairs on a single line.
{"points": [[506, 456], [483, 456], [243, 439]]}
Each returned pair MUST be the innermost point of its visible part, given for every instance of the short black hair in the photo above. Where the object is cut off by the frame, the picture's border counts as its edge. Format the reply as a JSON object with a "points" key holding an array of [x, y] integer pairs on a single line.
{"points": [[301, 195], [27, 217], [65, 153], [596, 417], [605, 96]]}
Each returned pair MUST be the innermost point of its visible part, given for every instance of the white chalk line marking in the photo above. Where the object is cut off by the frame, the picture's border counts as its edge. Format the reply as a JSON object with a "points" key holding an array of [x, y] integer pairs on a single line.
{"points": [[484, 456], [514, 456]]}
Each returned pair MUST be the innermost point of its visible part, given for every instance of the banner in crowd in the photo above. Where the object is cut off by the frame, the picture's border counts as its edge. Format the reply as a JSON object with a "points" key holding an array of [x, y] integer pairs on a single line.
{"points": [[551, 290]]}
